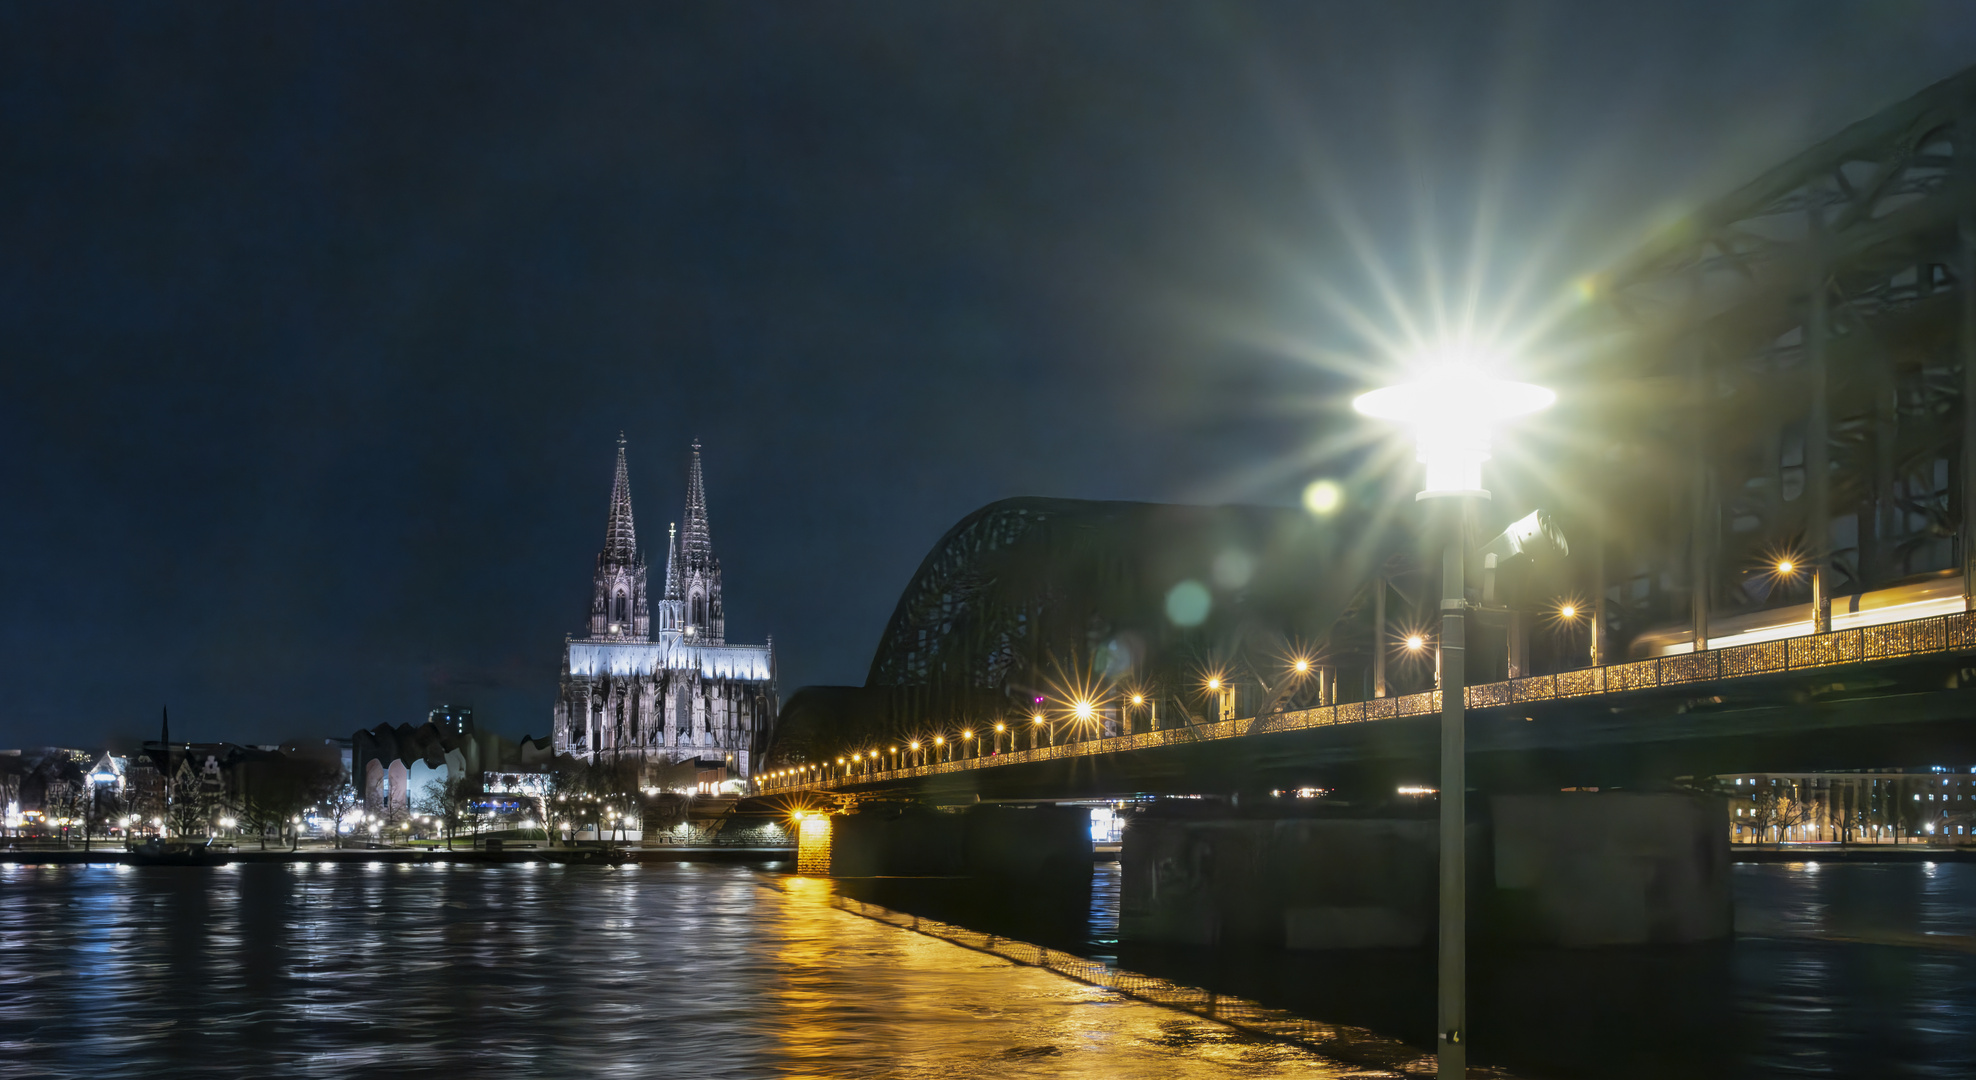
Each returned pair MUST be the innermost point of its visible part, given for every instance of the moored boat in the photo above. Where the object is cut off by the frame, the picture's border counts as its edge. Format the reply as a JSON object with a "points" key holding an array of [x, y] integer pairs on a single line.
{"points": [[156, 852]]}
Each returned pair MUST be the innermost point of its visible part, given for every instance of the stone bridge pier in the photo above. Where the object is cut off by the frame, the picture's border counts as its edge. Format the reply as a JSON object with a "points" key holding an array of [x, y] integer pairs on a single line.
{"points": [[1571, 868], [1005, 842]]}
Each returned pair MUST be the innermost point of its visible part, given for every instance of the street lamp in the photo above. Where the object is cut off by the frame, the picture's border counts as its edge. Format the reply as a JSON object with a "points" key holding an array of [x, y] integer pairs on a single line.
{"points": [[1035, 729], [1451, 408]]}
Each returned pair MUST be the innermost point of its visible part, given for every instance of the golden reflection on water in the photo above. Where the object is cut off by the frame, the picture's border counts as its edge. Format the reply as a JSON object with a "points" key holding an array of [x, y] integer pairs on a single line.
{"points": [[860, 998]]}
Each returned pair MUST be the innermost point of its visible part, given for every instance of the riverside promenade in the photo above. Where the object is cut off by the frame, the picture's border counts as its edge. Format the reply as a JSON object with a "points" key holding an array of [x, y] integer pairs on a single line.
{"points": [[665, 854]]}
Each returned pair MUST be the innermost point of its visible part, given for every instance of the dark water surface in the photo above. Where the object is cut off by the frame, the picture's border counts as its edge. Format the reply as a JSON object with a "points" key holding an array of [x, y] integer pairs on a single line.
{"points": [[1837, 970], [319, 970], [323, 970]]}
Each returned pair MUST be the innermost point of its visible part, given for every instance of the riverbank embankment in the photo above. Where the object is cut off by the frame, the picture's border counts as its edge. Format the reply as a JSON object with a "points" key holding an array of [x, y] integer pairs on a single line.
{"points": [[680, 853], [1863, 853]]}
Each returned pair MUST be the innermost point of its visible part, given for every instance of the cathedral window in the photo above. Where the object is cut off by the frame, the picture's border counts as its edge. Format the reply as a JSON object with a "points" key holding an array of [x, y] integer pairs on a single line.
{"points": [[620, 607]]}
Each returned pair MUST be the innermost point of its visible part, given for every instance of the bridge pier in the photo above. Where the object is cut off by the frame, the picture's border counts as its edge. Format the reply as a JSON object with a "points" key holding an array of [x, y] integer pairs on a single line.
{"points": [[1573, 869], [1615, 868], [985, 841]]}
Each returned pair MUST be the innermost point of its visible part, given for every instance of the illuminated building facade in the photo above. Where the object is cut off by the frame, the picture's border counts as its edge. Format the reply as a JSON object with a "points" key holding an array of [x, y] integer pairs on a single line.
{"points": [[1935, 805], [393, 766], [671, 694]]}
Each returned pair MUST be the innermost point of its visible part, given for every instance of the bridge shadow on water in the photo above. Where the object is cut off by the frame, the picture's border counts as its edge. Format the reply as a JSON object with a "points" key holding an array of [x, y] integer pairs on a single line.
{"points": [[1799, 992]]}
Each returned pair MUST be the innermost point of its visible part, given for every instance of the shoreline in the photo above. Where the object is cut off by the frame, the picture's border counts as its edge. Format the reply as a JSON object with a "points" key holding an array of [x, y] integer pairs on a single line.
{"points": [[1866, 853], [117, 857]]}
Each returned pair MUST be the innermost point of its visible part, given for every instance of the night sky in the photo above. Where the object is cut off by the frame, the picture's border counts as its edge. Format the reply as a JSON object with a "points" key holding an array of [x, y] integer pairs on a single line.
{"points": [[318, 323]]}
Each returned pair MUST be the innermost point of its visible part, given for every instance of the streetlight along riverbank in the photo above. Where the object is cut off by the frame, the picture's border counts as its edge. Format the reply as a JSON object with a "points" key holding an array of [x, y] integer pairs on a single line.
{"points": [[577, 856]]}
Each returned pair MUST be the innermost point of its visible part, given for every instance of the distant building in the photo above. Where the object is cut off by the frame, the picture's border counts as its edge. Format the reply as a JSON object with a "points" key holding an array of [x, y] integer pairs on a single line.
{"points": [[1885, 805], [392, 766], [675, 694], [109, 773], [457, 719]]}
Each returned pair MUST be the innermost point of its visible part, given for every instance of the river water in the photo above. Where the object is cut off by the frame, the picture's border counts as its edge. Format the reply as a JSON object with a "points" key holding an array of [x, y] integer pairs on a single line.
{"points": [[685, 970]]}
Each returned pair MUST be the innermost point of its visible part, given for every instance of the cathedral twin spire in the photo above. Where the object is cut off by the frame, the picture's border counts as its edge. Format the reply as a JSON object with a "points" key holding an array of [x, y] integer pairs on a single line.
{"points": [[620, 535], [619, 609], [691, 605]]}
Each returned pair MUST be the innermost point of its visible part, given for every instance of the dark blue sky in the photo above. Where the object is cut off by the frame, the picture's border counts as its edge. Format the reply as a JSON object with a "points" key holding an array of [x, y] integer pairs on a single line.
{"points": [[318, 322]]}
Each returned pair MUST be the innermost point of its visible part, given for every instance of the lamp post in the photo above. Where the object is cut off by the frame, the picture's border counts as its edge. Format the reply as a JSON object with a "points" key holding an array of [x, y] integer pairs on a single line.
{"points": [[1450, 409]]}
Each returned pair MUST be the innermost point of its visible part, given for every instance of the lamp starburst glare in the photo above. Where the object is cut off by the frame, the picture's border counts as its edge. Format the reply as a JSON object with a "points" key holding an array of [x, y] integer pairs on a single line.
{"points": [[1451, 406]]}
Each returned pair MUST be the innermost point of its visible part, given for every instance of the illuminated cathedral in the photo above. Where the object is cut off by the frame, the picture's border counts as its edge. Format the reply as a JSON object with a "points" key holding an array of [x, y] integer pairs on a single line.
{"points": [[674, 697]]}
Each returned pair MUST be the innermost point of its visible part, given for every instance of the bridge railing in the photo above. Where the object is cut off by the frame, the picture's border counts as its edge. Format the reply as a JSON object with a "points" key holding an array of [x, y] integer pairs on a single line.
{"points": [[1936, 634]]}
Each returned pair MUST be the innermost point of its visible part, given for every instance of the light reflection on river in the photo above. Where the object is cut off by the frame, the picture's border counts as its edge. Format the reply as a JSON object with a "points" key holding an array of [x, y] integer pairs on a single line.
{"points": [[317, 970], [331, 971], [1838, 970]]}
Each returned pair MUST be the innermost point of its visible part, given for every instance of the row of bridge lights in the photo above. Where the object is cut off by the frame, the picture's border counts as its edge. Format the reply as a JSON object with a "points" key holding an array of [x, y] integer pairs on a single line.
{"points": [[1084, 713], [1083, 710]]}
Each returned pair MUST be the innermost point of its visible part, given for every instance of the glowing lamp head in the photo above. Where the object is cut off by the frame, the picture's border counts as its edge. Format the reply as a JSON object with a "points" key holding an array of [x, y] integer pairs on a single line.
{"points": [[999, 726], [1083, 710], [912, 746], [1138, 699], [1785, 566], [939, 740], [1415, 642], [1037, 719], [1568, 611], [1214, 682], [1451, 408], [1302, 666]]}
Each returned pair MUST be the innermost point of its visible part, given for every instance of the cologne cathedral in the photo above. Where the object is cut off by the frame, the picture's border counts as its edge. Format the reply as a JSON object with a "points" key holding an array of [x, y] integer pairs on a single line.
{"points": [[655, 680]]}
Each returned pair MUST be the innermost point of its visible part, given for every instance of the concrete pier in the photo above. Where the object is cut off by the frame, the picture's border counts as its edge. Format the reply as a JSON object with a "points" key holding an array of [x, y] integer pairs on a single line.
{"points": [[1616, 868], [1574, 869], [1301, 883], [987, 841]]}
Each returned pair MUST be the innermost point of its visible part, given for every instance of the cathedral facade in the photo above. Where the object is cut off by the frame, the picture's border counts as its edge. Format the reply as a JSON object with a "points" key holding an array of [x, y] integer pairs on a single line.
{"points": [[655, 680]]}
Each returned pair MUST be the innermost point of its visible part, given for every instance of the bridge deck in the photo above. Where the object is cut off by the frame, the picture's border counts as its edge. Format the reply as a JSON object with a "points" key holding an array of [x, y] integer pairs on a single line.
{"points": [[1939, 635]]}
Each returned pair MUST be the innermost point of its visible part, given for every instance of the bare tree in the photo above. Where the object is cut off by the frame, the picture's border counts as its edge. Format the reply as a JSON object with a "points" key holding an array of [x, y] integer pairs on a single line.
{"points": [[445, 801], [1794, 810], [340, 803], [271, 794], [189, 806], [1778, 807], [68, 800], [1910, 813]]}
